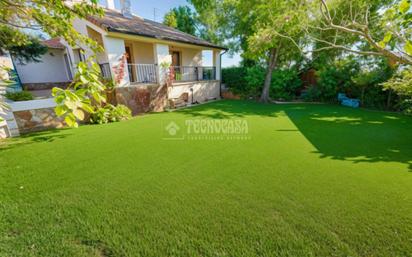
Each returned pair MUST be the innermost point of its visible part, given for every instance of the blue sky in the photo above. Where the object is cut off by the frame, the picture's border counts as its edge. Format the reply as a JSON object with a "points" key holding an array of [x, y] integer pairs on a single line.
{"points": [[151, 9]]}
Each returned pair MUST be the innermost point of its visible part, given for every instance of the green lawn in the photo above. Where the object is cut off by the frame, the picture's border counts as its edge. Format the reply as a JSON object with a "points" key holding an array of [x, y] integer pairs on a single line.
{"points": [[311, 180]]}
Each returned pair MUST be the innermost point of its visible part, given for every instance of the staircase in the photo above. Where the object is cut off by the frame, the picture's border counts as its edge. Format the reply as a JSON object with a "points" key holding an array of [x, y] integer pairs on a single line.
{"points": [[179, 102]]}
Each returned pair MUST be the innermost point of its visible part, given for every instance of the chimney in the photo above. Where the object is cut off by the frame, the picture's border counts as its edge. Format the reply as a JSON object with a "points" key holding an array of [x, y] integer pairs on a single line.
{"points": [[126, 8], [110, 5]]}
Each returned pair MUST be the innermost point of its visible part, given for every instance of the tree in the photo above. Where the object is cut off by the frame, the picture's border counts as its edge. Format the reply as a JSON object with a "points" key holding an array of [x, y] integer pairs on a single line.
{"points": [[374, 28], [170, 19], [52, 17], [255, 27], [29, 50], [275, 19], [181, 18]]}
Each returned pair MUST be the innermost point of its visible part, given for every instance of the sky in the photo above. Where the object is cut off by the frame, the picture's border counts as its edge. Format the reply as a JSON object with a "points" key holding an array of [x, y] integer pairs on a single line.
{"points": [[156, 9]]}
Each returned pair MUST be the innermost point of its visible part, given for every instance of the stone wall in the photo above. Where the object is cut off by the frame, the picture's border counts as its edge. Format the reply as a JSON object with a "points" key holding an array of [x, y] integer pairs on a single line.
{"points": [[198, 91], [37, 120], [142, 98]]}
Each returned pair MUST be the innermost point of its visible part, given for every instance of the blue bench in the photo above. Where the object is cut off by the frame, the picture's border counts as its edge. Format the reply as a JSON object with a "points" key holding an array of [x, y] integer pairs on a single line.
{"points": [[346, 101]]}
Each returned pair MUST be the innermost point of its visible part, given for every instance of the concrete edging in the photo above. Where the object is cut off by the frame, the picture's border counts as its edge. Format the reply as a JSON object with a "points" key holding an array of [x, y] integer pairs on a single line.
{"points": [[32, 104]]}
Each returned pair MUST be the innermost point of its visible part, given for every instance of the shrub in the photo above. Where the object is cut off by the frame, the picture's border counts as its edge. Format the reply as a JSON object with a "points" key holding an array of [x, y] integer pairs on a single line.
{"points": [[110, 113], [249, 82], [311, 94], [255, 78], [367, 85], [285, 84], [235, 79], [336, 78], [19, 96], [401, 84], [346, 76]]}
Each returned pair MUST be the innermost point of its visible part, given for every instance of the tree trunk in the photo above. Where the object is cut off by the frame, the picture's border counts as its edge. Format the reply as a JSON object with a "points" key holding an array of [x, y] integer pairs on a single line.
{"points": [[388, 102], [272, 61], [363, 95]]}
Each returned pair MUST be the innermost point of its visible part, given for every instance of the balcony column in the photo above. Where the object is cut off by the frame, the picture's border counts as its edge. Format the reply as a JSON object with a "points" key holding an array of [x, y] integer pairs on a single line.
{"points": [[115, 49], [216, 64], [163, 59]]}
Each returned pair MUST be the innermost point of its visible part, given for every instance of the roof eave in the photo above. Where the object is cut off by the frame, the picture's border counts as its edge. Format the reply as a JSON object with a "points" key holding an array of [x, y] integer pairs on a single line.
{"points": [[110, 29]]}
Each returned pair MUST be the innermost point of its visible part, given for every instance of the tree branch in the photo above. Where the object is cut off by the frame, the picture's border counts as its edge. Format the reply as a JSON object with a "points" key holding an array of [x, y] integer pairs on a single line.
{"points": [[362, 31]]}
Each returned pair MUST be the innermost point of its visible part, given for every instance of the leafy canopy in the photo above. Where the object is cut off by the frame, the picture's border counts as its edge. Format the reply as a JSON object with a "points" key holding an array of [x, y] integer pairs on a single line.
{"points": [[181, 18], [52, 17], [23, 47]]}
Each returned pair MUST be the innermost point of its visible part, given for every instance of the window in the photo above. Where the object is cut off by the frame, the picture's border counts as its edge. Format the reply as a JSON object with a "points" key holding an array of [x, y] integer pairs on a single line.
{"points": [[78, 56], [69, 70]]}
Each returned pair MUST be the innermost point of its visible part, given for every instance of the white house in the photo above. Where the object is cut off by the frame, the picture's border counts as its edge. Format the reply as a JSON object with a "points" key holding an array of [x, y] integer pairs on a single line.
{"points": [[143, 46]]}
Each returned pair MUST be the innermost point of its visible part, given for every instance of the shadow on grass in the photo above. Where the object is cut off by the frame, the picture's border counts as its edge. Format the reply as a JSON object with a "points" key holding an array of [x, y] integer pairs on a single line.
{"points": [[35, 137], [354, 134]]}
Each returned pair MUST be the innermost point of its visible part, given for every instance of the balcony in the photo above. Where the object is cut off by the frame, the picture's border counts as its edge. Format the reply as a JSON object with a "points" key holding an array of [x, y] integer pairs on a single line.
{"points": [[192, 73], [147, 73], [142, 73]]}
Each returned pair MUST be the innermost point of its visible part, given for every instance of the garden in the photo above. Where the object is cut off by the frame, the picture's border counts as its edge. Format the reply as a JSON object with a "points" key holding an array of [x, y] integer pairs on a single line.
{"points": [[310, 180], [284, 170]]}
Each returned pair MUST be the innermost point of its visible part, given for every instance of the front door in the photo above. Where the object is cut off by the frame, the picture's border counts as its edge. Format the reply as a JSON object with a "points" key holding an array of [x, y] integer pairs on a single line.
{"points": [[130, 67], [176, 65], [175, 58]]}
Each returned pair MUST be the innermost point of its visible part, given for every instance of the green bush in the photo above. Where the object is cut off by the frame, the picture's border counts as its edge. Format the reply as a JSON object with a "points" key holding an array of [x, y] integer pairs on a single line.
{"points": [[19, 96], [111, 113], [311, 94], [249, 81], [285, 84], [235, 79], [357, 78], [401, 84], [255, 78], [367, 86], [336, 78]]}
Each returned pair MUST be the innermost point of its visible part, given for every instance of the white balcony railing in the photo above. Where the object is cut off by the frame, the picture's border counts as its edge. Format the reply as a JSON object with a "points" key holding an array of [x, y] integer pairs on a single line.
{"points": [[147, 73], [142, 73], [193, 73]]}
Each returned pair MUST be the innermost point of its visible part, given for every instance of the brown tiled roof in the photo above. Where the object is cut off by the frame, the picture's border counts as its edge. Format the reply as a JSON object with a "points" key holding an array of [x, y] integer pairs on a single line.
{"points": [[114, 21], [53, 43]]}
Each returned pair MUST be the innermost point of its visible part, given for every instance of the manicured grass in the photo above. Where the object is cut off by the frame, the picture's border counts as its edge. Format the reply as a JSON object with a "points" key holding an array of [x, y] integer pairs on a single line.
{"points": [[312, 180]]}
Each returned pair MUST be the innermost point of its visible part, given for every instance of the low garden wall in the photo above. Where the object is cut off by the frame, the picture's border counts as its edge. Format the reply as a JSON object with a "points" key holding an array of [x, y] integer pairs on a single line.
{"points": [[142, 98], [203, 91], [29, 116], [37, 120]]}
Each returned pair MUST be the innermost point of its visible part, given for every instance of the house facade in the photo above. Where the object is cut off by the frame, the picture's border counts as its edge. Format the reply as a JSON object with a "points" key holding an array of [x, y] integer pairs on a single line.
{"points": [[147, 52], [53, 70]]}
